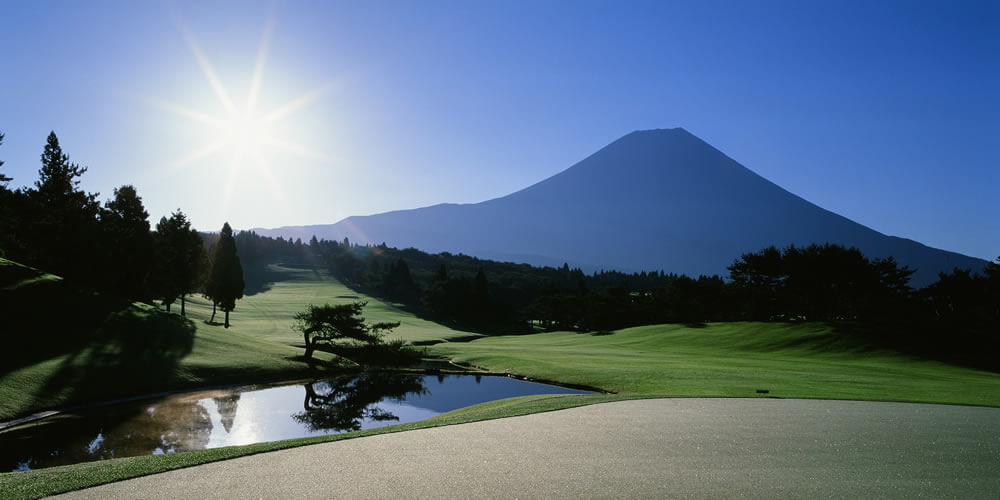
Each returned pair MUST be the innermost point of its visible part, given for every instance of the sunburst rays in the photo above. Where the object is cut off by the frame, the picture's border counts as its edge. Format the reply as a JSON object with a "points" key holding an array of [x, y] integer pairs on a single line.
{"points": [[246, 134]]}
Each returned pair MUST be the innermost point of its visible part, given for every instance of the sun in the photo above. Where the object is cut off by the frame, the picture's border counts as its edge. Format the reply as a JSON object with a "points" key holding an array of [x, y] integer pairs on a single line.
{"points": [[246, 135]]}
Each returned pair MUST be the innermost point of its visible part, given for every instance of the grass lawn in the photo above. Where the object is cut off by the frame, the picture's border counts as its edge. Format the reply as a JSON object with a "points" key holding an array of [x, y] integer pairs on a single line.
{"points": [[729, 359], [72, 348], [138, 350]]}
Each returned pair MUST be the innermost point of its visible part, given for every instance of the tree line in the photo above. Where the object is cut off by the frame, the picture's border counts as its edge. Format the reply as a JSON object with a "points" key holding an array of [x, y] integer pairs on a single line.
{"points": [[958, 315], [57, 227]]}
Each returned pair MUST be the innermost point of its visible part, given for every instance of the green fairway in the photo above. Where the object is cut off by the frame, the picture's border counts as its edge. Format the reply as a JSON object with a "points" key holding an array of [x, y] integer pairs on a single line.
{"points": [[138, 350], [729, 359], [128, 350]]}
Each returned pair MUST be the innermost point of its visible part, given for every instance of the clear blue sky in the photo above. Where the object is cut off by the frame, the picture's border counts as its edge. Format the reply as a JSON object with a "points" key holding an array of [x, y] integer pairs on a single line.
{"points": [[885, 112]]}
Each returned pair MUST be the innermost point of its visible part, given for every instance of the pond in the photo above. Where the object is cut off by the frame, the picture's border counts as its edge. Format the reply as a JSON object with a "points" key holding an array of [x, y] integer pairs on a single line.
{"points": [[245, 415]]}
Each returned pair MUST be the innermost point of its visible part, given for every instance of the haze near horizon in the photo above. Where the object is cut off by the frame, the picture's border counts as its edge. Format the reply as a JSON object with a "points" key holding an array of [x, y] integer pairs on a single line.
{"points": [[273, 114]]}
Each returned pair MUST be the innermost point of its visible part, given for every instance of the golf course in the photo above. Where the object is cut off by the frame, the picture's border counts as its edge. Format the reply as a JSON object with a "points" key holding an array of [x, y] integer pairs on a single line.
{"points": [[119, 359]]}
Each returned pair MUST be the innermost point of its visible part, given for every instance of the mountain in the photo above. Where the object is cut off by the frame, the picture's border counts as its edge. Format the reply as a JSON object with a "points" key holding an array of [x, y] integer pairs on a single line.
{"points": [[651, 200]]}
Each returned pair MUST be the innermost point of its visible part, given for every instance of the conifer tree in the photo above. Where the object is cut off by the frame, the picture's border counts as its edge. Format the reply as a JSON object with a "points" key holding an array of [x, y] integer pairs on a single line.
{"points": [[64, 234], [8, 213], [3, 178], [129, 243], [180, 259], [225, 281]]}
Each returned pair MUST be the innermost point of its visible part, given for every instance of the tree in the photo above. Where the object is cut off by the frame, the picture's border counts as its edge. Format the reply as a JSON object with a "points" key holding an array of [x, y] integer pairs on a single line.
{"points": [[331, 324], [9, 205], [342, 404], [3, 178], [397, 284], [225, 282], [180, 259], [63, 238], [129, 243]]}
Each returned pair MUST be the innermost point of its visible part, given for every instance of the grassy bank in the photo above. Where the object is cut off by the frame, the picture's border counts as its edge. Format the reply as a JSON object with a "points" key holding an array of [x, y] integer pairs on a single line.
{"points": [[136, 349], [71, 347], [730, 359]]}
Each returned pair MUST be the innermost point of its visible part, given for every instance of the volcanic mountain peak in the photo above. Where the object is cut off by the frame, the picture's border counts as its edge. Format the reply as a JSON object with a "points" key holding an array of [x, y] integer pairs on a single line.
{"points": [[651, 200]]}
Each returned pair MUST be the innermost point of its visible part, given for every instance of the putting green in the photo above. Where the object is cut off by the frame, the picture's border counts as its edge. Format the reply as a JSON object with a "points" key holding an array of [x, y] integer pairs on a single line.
{"points": [[689, 447]]}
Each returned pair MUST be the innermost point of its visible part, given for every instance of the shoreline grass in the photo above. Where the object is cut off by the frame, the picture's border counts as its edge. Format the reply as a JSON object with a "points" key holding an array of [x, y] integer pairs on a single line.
{"points": [[801, 360]]}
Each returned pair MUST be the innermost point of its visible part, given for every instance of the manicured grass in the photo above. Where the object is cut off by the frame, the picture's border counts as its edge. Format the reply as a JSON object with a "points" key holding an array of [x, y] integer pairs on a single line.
{"points": [[137, 349], [729, 359], [125, 350]]}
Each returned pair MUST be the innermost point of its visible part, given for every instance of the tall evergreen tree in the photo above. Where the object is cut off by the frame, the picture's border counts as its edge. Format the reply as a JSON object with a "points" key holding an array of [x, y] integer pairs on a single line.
{"points": [[129, 243], [64, 232], [225, 281], [209, 290], [195, 264], [7, 212], [3, 178]]}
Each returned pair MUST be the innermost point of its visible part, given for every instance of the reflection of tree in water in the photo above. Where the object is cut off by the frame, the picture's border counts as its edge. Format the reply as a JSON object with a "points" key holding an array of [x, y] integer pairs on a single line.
{"points": [[342, 404], [227, 409]]}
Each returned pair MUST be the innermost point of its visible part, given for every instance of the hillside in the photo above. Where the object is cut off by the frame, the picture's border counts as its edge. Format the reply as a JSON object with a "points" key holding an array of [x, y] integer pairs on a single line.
{"points": [[652, 200], [69, 346], [790, 360]]}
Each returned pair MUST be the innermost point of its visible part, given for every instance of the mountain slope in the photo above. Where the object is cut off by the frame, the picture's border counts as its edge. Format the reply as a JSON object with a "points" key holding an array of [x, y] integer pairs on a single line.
{"points": [[655, 199]]}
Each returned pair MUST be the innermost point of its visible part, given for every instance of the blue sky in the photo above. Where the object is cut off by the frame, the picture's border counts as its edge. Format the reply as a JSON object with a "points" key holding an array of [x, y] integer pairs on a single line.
{"points": [[884, 112]]}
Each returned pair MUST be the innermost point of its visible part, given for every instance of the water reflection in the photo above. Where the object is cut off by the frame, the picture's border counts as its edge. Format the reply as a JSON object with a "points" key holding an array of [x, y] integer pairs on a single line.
{"points": [[216, 418], [342, 405]]}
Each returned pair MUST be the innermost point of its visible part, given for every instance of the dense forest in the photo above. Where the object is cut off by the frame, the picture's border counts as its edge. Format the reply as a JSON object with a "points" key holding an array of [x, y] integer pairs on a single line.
{"points": [[57, 227]]}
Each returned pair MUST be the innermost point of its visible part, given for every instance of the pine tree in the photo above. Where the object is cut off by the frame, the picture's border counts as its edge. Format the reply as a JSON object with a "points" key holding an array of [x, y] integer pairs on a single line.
{"points": [[180, 259], [3, 178], [129, 243], [64, 235], [442, 274], [9, 213], [225, 281]]}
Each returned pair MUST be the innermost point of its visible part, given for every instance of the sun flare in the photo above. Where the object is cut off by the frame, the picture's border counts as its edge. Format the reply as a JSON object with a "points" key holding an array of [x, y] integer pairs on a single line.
{"points": [[242, 134]]}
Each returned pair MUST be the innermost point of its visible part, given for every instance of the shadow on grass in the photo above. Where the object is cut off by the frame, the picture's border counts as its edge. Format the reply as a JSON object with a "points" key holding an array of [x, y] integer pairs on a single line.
{"points": [[838, 339], [928, 342], [46, 319], [135, 351], [259, 278]]}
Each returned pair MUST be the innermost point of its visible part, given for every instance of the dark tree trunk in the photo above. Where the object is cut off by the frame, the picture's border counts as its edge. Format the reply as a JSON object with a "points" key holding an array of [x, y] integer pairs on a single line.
{"points": [[309, 345], [227, 319], [182, 306], [212, 320]]}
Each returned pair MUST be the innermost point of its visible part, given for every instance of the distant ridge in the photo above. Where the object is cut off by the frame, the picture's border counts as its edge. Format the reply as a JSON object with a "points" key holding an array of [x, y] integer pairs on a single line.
{"points": [[651, 200]]}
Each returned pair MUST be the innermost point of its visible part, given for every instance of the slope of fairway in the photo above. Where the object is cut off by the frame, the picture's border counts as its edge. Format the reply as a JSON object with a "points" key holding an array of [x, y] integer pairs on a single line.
{"points": [[268, 315], [72, 347], [729, 359]]}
